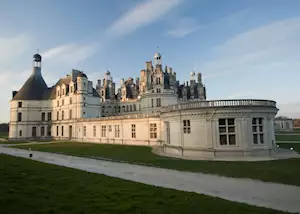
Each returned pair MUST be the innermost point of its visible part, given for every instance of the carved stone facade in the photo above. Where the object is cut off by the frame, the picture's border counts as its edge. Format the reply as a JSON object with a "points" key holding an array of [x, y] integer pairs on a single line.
{"points": [[151, 110]]}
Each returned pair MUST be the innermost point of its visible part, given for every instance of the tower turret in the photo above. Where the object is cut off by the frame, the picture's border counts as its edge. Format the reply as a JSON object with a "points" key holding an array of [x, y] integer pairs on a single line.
{"points": [[157, 59]]}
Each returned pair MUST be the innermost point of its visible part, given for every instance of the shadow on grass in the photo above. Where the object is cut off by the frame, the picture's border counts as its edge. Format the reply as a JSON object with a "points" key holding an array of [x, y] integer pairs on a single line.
{"points": [[32, 187]]}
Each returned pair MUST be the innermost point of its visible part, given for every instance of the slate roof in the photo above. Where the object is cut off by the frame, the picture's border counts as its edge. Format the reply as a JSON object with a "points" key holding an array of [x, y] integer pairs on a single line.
{"points": [[33, 89]]}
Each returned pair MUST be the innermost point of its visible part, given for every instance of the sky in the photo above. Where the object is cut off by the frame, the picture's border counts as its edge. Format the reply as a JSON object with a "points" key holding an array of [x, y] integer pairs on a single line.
{"points": [[244, 49]]}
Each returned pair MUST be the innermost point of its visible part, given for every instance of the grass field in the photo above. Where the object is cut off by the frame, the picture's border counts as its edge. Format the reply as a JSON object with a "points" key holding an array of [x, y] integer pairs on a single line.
{"points": [[279, 171], [33, 187], [3, 134], [287, 137], [295, 146]]}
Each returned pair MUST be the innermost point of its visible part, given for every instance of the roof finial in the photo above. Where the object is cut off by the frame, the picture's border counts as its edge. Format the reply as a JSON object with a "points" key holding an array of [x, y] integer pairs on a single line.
{"points": [[37, 51]]}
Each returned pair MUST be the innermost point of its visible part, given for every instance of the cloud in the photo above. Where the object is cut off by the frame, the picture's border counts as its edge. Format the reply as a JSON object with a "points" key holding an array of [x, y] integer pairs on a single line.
{"points": [[183, 27], [141, 15], [70, 54], [269, 44], [264, 60], [13, 47]]}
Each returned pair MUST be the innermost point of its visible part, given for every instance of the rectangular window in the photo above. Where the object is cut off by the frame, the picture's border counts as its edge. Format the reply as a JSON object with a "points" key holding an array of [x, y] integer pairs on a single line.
{"points": [[103, 131], [43, 116], [20, 104], [227, 131], [152, 103], [94, 131], [42, 131], [133, 131], [62, 131], [186, 126], [49, 116], [63, 102], [33, 131], [117, 131], [153, 130], [57, 115], [109, 128], [19, 116], [57, 103], [62, 115], [84, 131], [71, 101], [158, 102], [56, 130], [20, 133], [158, 90], [70, 113], [49, 131], [257, 130]]}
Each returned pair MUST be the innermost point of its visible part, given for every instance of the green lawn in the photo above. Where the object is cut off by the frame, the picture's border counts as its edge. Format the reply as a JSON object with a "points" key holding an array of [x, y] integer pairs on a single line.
{"points": [[279, 171], [295, 146], [3, 134], [287, 137], [32, 187]]}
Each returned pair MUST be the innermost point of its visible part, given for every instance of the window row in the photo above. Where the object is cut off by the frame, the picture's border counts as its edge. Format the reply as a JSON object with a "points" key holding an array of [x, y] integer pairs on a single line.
{"points": [[65, 91], [62, 116], [63, 102], [227, 132], [118, 109], [44, 131], [109, 128], [43, 116], [158, 102]]}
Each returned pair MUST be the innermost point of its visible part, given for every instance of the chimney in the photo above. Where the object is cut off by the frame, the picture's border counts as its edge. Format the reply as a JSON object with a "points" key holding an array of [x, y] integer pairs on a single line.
{"points": [[14, 93], [199, 77]]}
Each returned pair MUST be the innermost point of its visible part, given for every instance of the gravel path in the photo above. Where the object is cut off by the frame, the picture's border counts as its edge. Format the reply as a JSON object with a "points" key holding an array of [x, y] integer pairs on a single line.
{"points": [[253, 192]]}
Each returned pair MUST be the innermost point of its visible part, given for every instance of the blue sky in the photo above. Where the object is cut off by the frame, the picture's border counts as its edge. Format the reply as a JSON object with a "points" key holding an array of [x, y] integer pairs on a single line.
{"points": [[244, 49]]}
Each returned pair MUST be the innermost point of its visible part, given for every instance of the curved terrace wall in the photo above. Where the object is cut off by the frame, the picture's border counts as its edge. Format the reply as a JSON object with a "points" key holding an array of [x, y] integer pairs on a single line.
{"points": [[197, 129]]}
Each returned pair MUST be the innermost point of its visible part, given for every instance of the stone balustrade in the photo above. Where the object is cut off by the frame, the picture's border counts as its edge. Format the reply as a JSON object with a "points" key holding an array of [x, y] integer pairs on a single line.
{"points": [[119, 117], [220, 103], [188, 105]]}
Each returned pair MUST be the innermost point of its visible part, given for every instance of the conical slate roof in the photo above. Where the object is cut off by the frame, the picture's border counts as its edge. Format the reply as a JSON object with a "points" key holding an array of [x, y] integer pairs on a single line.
{"points": [[34, 87]]}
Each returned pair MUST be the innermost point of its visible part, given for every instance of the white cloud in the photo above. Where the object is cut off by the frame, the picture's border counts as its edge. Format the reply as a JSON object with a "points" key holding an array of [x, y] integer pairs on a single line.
{"points": [[269, 44], [13, 47], [267, 57], [70, 54], [141, 15], [183, 27]]}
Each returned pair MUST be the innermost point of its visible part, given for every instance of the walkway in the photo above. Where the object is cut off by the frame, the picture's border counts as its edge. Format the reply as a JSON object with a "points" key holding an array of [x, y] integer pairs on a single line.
{"points": [[271, 195]]}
